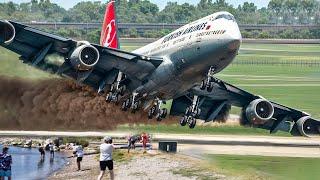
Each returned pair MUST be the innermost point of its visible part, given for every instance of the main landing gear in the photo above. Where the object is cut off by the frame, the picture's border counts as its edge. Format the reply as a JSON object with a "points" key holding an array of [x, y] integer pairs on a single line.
{"points": [[208, 83], [192, 112], [131, 103], [156, 111], [116, 90]]}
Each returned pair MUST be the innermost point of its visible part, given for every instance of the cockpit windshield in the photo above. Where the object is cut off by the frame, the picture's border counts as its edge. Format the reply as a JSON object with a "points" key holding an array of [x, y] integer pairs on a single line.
{"points": [[226, 16]]}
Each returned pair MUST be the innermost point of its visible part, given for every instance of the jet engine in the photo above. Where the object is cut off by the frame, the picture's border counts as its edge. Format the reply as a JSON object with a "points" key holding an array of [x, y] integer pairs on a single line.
{"points": [[84, 57], [308, 127], [259, 111], [7, 32]]}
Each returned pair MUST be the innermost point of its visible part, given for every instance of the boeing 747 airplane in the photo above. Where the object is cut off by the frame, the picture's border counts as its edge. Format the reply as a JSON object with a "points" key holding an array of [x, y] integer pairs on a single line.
{"points": [[180, 66]]}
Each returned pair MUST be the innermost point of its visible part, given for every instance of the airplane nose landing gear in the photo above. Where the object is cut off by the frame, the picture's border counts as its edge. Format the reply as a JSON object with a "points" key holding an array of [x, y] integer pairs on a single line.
{"points": [[208, 83], [156, 111], [192, 112]]}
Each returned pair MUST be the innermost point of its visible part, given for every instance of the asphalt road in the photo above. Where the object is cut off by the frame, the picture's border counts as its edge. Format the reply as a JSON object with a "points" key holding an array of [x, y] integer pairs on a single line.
{"points": [[199, 145]]}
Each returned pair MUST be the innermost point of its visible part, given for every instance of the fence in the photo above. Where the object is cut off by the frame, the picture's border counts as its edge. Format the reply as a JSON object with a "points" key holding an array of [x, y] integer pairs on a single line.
{"points": [[302, 63]]}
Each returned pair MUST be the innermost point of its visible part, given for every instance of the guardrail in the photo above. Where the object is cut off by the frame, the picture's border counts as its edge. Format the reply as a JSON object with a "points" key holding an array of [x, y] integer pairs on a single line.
{"points": [[302, 63]]}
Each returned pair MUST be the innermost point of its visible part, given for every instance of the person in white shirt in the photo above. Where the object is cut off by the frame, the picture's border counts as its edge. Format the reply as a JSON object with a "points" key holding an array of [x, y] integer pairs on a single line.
{"points": [[51, 149], [78, 152], [106, 160]]}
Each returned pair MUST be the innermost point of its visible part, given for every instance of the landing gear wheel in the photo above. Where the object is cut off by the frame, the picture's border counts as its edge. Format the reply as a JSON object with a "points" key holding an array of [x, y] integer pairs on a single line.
{"points": [[191, 122], [210, 87], [124, 106], [108, 98], [122, 90], [183, 121], [203, 85], [128, 103], [113, 88], [158, 117], [211, 79], [135, 107], [115, 98], [164, 113], [150, 114]]}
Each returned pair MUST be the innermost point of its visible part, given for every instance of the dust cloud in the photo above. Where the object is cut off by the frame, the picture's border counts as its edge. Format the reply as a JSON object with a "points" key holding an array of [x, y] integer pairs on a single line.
{"points": [[59, 104]]}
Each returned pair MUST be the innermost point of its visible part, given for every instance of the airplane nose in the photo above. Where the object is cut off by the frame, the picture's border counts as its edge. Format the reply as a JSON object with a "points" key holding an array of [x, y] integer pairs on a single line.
{"points": [[235, 38], [234, 44]]}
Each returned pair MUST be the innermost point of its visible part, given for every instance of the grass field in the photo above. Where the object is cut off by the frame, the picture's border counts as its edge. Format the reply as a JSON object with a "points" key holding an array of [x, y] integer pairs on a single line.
{"points": [[294, 85], [258, 167], [11, 66]]}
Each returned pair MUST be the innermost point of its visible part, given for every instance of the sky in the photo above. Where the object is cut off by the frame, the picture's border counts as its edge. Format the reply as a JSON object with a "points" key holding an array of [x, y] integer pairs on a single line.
{"points": [[161, 3]]}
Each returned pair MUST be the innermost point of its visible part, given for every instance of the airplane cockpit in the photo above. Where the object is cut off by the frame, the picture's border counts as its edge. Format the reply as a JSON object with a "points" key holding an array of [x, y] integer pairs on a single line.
{"points": [[225, 16]]}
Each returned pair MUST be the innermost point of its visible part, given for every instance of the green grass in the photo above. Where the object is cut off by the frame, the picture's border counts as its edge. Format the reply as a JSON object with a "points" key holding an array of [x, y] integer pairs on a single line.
{"points": [[208, 130], [12, 67], [258, 167]]}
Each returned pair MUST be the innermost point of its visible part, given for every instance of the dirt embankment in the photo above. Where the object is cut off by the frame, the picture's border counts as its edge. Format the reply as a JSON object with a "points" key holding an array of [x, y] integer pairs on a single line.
{"points": [[58, 104]]}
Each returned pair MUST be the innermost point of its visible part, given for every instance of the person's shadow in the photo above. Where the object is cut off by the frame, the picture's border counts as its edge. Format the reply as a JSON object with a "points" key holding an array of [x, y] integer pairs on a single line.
{"points": [[40, 163], [51, 160]]}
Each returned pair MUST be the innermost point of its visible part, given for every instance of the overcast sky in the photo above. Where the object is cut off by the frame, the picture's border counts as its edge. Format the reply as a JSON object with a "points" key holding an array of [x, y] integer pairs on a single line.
{"points": [[161, 3]]}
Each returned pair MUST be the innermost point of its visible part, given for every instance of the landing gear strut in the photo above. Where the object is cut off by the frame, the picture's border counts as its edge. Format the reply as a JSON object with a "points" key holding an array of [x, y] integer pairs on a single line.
{"points": [[208, 83], [192, 112], [116, 89], [156, 111]]}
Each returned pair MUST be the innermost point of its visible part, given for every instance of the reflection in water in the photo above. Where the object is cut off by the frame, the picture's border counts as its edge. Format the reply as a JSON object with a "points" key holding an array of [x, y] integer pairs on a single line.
{"points": [[51, 161], [28, 164], [41, 163]]}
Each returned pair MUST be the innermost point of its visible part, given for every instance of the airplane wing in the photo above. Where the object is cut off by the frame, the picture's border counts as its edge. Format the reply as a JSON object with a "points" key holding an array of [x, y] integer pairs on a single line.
{"points": [[256, 111], [87, 63]]}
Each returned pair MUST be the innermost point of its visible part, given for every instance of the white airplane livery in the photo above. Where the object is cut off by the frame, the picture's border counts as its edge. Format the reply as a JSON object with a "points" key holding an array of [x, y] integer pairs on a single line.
{"points": [[180, 67]]}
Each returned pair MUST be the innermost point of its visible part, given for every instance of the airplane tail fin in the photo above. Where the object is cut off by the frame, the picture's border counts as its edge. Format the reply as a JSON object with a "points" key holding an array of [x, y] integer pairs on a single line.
{"points": [[109, 36]]}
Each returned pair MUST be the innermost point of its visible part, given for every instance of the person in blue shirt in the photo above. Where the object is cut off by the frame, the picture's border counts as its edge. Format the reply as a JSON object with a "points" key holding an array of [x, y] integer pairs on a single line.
{"points": [[5, 164]]}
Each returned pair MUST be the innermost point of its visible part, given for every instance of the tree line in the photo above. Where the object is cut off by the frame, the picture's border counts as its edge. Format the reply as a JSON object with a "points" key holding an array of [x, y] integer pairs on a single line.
{"points": [[143, 11]]}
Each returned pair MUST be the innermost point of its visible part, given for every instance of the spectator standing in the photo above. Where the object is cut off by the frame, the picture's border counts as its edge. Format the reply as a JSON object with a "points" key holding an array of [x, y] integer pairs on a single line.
{"points": [[51, 149], [106, 150], [78, 152], [41, 150], [144, 140], [5, 164], [132, 139]]}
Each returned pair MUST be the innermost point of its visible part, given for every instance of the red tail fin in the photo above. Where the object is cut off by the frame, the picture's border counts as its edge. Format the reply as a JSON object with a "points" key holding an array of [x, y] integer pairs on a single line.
{"points": [[109, 28]]}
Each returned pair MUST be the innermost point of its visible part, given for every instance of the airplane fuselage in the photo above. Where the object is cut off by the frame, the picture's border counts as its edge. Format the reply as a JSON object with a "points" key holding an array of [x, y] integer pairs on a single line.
{"points": [[189, 52]]}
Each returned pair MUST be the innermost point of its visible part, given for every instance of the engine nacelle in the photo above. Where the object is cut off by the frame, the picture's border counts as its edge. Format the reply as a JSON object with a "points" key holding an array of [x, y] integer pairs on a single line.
{"points": [[7, 32], [84, 57], [259, 111], [308, 127]]}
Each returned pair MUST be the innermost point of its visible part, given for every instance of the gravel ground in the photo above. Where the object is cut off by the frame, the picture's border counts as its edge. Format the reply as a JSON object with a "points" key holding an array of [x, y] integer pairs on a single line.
{"points": [[142, 166]]}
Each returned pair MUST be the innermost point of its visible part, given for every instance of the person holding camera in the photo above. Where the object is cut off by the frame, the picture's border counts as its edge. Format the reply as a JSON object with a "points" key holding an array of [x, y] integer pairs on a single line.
{"points": [[106, 149]]}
